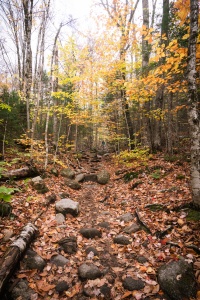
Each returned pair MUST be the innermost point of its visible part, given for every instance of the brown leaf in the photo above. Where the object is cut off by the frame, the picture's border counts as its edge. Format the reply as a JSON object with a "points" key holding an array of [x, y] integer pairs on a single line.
{"points": [[44, 286]]}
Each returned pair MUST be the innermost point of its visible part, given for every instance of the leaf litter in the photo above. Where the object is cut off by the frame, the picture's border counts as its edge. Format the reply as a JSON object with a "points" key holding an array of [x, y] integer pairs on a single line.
{"points": [[165, 233]]}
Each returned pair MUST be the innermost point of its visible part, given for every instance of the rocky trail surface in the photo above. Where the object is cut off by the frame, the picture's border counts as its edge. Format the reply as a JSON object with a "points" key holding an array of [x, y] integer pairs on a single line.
{"points": [[129, 238]]}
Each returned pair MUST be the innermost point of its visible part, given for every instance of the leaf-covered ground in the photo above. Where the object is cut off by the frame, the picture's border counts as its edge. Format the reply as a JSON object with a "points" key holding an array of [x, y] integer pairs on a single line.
{"points": [[156, 196]]}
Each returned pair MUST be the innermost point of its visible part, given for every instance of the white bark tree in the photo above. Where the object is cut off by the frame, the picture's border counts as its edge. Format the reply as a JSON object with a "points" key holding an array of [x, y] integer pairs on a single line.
{"points": [[193, 104]]}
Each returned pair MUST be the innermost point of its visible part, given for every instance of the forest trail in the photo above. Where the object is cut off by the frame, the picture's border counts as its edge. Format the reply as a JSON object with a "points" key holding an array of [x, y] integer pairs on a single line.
{"points": [[130, 239]]}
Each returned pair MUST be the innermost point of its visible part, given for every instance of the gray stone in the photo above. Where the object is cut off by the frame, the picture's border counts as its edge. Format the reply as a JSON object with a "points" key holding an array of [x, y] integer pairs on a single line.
{"points": [[61, 286], [104, 225], [68, 173], [8, 233], [131, 284], [92, 249], [39, 185], [21, 291], [80, 178], [66, 206], [73, 184], [89, 271], [121, 239], [103, 177], [126, 217], [177, 280], [33, 261], [90, 233], [90, 177], [141, 259], [59, 260], [60, 218], [132, 228], [64, 195], [69, 244]]}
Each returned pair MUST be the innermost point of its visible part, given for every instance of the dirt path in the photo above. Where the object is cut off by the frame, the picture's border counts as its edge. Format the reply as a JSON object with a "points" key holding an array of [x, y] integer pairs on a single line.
{"points": [[104, 207]]}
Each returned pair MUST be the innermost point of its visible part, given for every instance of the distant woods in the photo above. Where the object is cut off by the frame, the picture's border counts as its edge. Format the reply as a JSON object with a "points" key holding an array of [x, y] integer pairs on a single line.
{"points": [[123, 81]]}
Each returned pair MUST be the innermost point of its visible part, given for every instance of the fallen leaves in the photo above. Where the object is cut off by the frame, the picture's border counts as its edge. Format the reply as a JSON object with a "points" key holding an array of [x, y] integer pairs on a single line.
{"points": [[169, 235]]}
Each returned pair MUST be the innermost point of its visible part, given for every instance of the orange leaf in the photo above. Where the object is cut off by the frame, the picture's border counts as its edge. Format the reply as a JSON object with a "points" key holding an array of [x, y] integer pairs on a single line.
{"points": [[127, 294]]}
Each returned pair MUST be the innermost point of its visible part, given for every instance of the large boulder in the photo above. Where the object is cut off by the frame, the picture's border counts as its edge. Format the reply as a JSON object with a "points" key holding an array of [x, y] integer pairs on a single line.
{"points": [[177, 280], [66, 206], [103, 177], [68, 173]]}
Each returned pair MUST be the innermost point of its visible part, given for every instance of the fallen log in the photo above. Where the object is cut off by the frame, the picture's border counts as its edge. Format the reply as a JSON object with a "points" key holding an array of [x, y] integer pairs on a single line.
{"points": [[25, 172], [12, 257]]}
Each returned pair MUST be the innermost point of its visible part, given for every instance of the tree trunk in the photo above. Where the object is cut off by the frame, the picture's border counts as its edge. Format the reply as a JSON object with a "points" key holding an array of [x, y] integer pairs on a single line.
{"points": [[12, 257], [156, 146], [28, 17], [25, 172], [193, 104]]}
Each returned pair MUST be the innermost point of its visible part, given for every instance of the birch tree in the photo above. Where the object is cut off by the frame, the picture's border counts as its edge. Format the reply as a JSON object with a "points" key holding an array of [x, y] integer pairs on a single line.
{"points": [[193, 104]]}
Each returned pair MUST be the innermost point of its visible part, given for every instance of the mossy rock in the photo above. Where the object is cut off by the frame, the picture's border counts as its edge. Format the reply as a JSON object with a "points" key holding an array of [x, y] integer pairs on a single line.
{"points": [[5, 209], [193, 215]]}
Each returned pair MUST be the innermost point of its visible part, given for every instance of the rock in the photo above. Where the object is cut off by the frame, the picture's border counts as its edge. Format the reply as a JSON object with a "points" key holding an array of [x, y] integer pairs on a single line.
{"points": [[5, 209], [66, 206], [93, 250], [54, 171], [177, 280], [73, 184], [59, 260], [90, 177], [68, 173], [89, 271], [64, 195], [121, 239], [60, 218], [51, 198], [69, 244], [21, 291], [90, 233], [103, 177], [80, 178], [106, 291], [33, 261], [8, 233], [141, 259], [104, 225], [39, 185], [61, 286], [132, 228], [131, 284], [126, 217]]}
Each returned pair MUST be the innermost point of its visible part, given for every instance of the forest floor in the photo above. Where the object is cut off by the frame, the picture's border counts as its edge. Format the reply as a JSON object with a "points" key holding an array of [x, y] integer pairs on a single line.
{"points": [[168, 229]]}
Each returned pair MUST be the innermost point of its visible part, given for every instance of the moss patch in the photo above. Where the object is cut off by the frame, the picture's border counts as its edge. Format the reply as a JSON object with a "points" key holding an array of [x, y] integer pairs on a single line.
{"points": [[193, 215]]}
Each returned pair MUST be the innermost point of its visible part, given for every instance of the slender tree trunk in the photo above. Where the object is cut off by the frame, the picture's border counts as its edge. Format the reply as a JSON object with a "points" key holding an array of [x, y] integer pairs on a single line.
{"points": [[193, 104], [28, 16], [156, 146]]}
